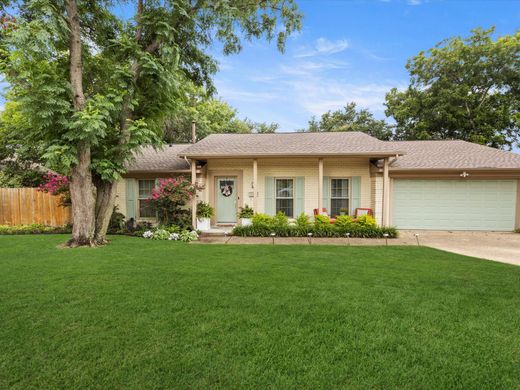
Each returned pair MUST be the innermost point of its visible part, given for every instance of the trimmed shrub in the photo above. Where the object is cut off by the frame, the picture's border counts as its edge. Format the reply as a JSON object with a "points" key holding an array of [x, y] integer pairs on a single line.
{"points": [[321, 220], [34, 228], [264, 225], [303, 221], [344, 221], [366, 220], [323, 230], [262, 220], [280, 221]]}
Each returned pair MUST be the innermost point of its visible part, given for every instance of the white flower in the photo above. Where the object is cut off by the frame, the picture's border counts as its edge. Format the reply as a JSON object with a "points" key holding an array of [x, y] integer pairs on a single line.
{"points": [[174, 237], [148, 234]]}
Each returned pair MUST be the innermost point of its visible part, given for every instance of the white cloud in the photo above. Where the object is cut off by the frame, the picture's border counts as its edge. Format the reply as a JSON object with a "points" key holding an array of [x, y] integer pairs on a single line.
{"points": [[228, 92], [303, 68], [322, 46], [318, 95]]}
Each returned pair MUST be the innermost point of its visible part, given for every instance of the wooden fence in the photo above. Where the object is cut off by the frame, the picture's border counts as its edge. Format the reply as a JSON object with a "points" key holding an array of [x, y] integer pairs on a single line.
{"points": [[21, 206]]}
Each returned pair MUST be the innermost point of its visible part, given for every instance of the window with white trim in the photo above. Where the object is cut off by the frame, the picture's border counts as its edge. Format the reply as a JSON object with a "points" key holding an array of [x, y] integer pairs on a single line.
{"points": [[285, 196], [145, 191], [339, 196]]}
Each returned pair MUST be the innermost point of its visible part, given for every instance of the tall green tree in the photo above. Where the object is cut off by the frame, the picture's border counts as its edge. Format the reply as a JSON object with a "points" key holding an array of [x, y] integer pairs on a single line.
{"points": [[211, 115], [463, 88], [94, 87], [349, 118], [19, 162]]}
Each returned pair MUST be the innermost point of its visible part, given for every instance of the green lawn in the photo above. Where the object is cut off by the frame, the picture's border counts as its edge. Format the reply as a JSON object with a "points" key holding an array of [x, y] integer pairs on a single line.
{"points": [[147, 314]]}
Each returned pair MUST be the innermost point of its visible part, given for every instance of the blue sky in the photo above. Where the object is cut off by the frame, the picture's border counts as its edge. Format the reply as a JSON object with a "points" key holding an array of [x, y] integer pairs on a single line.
{"points": [[348, 50]]}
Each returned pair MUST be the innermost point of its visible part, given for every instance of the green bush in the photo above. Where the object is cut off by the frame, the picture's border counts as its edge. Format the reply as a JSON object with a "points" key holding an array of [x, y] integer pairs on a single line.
{"points": [[321, 220], [356, 231], [280, 221], [34, 228], [303, 221], [117, 221], [344, 221], [264, 225], [366, 220], [160, 234], [246, 212], [262, 220], [204, 210]]}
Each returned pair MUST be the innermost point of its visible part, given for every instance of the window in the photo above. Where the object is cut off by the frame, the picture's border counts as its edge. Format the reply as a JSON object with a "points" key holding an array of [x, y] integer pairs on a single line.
{"points": [[145, 191], [339, 198], [285, 196]]}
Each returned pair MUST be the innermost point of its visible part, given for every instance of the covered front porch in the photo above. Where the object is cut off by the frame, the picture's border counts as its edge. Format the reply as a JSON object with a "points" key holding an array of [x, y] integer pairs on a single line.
{"points": [[293, 185]]}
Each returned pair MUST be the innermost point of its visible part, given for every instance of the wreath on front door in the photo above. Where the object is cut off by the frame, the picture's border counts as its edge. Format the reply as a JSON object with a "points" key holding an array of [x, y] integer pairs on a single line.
{"points": [[226, 190]]}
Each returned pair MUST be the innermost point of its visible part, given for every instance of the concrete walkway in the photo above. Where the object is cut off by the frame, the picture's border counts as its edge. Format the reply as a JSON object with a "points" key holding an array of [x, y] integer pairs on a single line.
{"points": [[503, 247]]}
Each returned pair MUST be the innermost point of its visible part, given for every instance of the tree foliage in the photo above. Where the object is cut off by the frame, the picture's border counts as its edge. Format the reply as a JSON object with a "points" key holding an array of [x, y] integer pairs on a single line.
{"points": [[463, 88], [212, 116], [92, 86], [350, 118]]}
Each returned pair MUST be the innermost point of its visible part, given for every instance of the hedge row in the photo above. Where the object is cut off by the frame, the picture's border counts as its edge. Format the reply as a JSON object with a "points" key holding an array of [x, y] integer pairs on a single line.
{"points": [[34, 228], [356, 231]]}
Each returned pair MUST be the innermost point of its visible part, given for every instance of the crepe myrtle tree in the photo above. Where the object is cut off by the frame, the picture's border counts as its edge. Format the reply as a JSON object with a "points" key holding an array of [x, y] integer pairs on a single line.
{"points": [[94, 87]]}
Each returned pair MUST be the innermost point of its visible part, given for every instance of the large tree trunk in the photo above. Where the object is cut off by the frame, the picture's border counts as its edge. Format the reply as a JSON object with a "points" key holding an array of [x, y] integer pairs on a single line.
{"points": [[105, 202], [82, 191], [82, 194], [106, 191]]}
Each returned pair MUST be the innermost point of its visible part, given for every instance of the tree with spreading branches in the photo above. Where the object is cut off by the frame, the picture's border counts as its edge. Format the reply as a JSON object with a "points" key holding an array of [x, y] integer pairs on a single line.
{"points": [[463, 88], [94, 86]]}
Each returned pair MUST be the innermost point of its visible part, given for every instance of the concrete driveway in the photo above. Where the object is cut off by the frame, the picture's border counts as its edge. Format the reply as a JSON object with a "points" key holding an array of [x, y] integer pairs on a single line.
{"points": [[503, 247]]}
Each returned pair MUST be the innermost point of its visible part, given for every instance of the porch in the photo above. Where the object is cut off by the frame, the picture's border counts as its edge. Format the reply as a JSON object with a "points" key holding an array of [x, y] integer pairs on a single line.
{"points": [[293, 185]]}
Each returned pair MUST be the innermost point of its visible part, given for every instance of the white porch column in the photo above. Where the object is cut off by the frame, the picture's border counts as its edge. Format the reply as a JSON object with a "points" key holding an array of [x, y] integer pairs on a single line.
{"points": [[193, 164], [320, 184], [255, 185], [386, 193]]}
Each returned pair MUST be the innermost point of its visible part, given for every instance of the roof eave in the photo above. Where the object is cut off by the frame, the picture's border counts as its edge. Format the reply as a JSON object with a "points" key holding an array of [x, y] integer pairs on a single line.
{"points": [[508, 169], [285, 155]]}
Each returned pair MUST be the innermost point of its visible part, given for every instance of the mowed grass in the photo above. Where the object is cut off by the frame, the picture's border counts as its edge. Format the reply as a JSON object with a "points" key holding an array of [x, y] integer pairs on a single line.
{"points": [[145, 314]]}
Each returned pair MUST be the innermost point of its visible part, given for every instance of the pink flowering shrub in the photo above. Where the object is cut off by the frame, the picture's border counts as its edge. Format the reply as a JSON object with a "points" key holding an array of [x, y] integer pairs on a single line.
{"points": [[169, 197], [58, 185]]}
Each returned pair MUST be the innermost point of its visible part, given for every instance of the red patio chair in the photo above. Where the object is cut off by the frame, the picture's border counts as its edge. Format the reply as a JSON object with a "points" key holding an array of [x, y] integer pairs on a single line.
{"points": [[324, 212]]}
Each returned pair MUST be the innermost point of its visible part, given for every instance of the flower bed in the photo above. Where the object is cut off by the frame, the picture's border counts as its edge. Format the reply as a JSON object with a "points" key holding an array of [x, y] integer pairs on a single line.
{"points": [[172, 233], [265, 226]]}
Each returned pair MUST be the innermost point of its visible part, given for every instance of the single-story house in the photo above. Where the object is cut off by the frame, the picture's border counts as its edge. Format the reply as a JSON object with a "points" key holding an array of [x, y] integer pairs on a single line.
{"points": [[441, 185]]}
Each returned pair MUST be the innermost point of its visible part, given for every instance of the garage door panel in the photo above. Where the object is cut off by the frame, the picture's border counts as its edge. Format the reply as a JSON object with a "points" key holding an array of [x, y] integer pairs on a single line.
{"points": [[454, 204]]}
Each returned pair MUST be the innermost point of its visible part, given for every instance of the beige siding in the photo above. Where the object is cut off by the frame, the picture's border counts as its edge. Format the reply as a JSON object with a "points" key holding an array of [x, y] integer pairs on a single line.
{"points": [[307, 167], [121, 196], [377, 198]]}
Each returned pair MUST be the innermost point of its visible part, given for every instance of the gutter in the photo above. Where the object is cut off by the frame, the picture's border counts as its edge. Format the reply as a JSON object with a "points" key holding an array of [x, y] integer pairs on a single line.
{"points": [[286, 155]]}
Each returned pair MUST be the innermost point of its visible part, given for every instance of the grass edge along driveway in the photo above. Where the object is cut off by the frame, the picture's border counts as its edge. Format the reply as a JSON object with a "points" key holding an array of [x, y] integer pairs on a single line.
{"points": [[147, 314]]}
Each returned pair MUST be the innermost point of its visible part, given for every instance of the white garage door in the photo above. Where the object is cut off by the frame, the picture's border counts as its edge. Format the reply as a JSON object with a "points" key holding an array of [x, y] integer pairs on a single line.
{"points": [[454, 204]]}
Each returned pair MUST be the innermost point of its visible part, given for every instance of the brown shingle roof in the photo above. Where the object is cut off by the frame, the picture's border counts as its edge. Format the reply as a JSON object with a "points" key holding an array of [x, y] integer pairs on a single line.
{"points": [[165, 159], [290, 144], [452, 155]]}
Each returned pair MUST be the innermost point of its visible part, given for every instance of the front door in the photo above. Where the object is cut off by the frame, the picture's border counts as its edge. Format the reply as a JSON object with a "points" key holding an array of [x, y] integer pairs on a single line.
{"points": [[226, 193]]}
